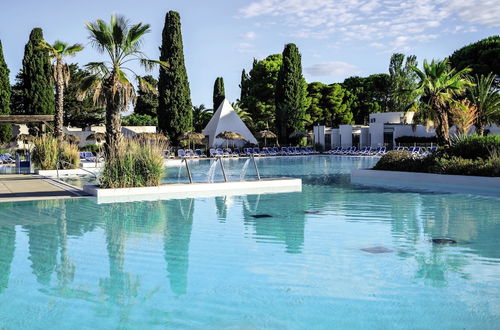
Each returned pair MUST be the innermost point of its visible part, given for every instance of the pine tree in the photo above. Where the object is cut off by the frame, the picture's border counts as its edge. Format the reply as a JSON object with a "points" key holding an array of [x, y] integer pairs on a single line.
{"points": [[5, 93], [175, 114], [291, 94], [219, 93], [37, 77]]}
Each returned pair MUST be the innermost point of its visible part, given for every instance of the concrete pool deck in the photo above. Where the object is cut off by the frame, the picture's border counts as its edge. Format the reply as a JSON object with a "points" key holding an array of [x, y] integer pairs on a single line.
{"points": [[21, 187]]}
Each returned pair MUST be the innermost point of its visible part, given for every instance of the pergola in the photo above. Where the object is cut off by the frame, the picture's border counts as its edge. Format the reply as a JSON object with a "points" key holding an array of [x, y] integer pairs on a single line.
{"points": [[25, 119]]}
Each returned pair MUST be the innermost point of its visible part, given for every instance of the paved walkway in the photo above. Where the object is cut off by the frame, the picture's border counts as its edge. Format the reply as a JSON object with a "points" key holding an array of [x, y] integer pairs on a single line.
{"points": [[19, 187]]}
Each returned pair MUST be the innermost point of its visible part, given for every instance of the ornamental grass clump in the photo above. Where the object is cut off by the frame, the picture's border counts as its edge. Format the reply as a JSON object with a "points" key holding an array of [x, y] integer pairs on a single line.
{"points": [[45, 152], [69, 154], [136, 163]]}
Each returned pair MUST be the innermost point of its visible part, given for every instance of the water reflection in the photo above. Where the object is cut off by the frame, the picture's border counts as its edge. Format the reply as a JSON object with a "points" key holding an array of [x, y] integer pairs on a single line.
{"points": [[176, 237], [7, 248]]}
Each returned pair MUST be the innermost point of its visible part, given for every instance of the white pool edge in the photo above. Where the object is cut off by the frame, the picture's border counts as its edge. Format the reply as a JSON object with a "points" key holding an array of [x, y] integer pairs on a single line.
{"points": [[461, 184], [194, 190]]}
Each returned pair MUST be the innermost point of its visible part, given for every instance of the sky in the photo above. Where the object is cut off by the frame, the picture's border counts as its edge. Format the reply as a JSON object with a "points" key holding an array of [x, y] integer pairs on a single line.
{"points": [[337, 38]]}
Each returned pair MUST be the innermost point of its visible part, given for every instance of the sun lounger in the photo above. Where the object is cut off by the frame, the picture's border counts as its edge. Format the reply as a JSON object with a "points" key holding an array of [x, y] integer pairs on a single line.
{"points": [[181, 153], [199, 153]]}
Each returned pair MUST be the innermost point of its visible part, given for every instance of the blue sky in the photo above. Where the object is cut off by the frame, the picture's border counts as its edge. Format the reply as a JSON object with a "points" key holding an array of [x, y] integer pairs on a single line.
{"points": [[337, 38]]}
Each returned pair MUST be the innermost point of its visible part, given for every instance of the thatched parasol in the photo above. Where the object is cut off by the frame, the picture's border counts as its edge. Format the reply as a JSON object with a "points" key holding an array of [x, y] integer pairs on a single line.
{"points": [[227, 135], [298, 134], [152, 137], [72, 139], [266, 134], [192, 136], [98, 137], [26, 138]]}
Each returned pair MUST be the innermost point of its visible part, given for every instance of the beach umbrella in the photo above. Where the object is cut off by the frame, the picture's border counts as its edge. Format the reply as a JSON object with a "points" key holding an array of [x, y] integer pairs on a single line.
{"points": [[227, 135], [98, 137], [266, 134], [26, 138], [194, 136], [72, 139]]}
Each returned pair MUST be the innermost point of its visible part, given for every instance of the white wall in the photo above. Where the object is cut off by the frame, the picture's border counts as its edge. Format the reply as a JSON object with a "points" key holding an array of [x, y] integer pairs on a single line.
{"points": [[319, 135], [345, 135]]}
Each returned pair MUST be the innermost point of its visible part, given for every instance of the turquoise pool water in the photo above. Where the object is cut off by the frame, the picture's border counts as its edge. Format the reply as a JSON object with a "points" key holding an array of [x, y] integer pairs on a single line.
{"points": [[332, 256]]}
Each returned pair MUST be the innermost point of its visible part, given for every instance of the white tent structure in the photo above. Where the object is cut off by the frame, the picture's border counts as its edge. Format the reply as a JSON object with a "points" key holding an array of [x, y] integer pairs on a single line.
{"points": [[226, 119]]}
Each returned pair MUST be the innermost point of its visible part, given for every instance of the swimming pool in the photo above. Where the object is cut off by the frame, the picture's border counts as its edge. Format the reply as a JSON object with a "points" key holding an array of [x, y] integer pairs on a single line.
{"points": [[333, 256]]}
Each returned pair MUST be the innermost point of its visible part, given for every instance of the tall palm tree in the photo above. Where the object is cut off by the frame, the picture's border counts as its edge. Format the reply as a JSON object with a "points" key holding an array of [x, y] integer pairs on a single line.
{"points": [[57, 52], [108, 81], [439, 85], [486, 97]]}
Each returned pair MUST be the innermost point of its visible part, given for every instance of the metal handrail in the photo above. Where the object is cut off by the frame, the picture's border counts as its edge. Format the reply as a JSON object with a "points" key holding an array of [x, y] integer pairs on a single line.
{"points": [[61, 162], [187, 169]]}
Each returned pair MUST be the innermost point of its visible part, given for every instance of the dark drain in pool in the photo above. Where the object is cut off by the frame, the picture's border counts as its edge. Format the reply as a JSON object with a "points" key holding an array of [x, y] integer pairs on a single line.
{"points": [[443, 241], [377, 249], [261, 216]]}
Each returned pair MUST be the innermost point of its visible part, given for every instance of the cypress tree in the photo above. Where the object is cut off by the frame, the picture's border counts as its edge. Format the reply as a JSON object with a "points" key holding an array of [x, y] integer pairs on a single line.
{"points": [[219, 93], [5, 93], [244, 87], [37, 77], [175, 114], [291, 94]]}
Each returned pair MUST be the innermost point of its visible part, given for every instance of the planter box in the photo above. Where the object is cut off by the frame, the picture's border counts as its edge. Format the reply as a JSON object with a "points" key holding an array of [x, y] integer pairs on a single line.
{"points": [[194, 190], [462, 184]]}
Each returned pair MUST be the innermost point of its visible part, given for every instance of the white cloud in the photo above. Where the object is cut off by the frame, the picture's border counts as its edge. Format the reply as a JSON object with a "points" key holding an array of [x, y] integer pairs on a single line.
{"points": [[332, 69], [250, 35], [245, 47], [396, 22]]}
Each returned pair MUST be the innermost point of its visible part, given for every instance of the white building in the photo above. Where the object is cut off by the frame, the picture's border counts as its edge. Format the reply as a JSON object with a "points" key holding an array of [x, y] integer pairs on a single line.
{"points": [[383, 130]]}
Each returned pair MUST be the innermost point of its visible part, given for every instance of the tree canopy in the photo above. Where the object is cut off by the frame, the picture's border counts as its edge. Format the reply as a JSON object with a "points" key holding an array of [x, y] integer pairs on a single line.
{"points": [[5, 94], [483, 57], [175, 113], [219, 92], [37, 77]]}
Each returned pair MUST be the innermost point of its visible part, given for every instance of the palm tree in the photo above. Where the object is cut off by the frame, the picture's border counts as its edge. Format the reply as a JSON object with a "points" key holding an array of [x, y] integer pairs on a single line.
{"points": [[108, 80], [57, 52], [201, 117], [485, 96], [242, 113], [439, 85]]}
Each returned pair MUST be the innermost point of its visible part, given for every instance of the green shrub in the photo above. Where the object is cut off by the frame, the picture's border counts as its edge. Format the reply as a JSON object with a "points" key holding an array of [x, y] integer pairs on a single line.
{"points": [[393, 160], [45, 153], [69, 153], [463, 166], [94, 148], [136, 164], [474, 146]]}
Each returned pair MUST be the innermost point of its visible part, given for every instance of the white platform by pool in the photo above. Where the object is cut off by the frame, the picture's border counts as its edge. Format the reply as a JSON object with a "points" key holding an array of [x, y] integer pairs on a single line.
{"points": [[194, 190], [461, 184]]}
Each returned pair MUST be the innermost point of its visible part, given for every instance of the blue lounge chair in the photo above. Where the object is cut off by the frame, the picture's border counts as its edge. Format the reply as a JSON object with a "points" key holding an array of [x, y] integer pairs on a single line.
{"points": [[199, 153], [181, 153]]}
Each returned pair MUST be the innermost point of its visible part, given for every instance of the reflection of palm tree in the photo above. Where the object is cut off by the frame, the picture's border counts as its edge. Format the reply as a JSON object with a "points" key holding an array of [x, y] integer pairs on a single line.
{"points": [[7, 247], [176, 242], [120, 287], [66, 269]]}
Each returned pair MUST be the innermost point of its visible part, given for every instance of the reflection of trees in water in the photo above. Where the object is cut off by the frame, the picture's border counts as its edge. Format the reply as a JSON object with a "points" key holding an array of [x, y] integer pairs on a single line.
{"points": [[7, 247], [221, 207], [417, 218], [66, 268], [179, 219], [286, 223], [43, 240]]}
